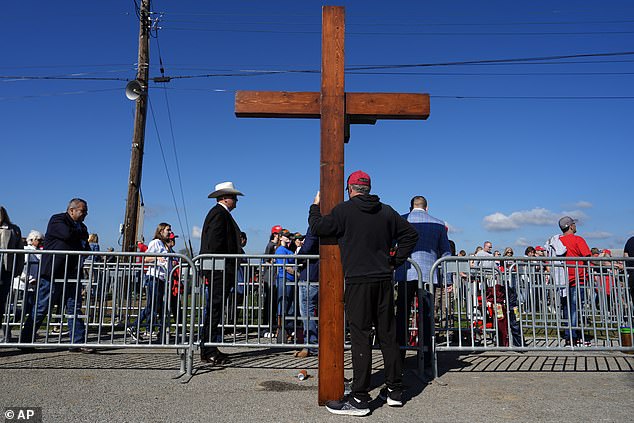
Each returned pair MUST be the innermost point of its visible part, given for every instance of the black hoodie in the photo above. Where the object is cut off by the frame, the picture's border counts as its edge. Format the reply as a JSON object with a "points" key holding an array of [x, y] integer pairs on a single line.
{"points": [[366, 229]]}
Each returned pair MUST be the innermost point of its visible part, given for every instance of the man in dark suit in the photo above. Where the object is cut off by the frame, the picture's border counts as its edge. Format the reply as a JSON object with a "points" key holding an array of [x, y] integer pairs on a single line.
{"points": [[220, 235], [65, 232]]}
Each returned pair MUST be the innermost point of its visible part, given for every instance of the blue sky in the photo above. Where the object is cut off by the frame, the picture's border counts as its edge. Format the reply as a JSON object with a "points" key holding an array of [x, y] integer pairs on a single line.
{"points": [[508, 148]]}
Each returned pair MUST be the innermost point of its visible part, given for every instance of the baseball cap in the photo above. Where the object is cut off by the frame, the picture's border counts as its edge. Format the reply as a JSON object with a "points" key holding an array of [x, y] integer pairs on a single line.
{"points": [[286, 233], [173, 236], [298, 235], [539, 248], [276, 229], [359, 178], [565, 222]]}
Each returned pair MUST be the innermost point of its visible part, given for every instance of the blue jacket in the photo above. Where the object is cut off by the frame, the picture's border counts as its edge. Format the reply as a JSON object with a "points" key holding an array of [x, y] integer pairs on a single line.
{"points": [[310, 247], [432, 244], [63, 234]]}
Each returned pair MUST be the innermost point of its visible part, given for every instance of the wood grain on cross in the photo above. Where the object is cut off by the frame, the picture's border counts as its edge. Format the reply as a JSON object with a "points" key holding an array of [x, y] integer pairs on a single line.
{"points": [[337, 110]]}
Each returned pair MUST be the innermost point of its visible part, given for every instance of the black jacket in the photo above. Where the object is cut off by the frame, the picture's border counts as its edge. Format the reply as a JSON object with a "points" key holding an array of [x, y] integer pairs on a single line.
{"points": [[63, 234], [221, 235], [366, 230], [310, 247]]}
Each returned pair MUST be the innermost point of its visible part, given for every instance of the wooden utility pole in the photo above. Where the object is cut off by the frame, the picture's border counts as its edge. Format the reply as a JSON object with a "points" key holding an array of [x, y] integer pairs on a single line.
{"points": [[337, 110], [138, 138]]}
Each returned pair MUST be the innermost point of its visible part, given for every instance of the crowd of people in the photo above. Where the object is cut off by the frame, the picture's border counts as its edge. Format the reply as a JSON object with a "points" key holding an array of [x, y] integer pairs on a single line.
{"points": [[375, 243]]}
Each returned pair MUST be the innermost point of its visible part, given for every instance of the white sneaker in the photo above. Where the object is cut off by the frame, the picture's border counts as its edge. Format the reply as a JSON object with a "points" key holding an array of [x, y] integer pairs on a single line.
{"points": [[151, 336]]}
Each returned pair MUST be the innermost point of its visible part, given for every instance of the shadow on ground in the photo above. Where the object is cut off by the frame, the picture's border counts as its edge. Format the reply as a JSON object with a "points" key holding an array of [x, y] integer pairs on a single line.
{"points": [[275, 358], [534, 362]]}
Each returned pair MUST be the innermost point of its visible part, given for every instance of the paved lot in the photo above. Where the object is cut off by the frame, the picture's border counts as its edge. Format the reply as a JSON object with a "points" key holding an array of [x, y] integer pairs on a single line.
{"points": [[261, 385]]}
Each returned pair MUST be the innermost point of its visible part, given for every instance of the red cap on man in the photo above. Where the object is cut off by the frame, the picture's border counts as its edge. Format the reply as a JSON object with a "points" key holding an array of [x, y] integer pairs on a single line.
{"points": [[276, 229], [359, 178]]}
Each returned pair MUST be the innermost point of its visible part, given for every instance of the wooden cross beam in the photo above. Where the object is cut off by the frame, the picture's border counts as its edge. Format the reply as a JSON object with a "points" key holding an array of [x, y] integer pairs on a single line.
{"points": [[337, 110]]}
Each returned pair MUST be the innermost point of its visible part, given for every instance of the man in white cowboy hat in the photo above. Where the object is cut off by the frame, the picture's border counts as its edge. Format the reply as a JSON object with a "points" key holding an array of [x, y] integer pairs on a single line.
{"points": [[220, 235]]}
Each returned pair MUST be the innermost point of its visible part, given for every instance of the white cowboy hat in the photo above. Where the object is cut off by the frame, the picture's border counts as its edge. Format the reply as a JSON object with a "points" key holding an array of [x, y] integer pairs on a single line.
{"points": [[224, 188]]}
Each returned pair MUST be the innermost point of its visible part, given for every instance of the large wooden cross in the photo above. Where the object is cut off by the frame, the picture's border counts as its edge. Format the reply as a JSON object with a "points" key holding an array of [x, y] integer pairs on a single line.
{"points": [[337, 110]]}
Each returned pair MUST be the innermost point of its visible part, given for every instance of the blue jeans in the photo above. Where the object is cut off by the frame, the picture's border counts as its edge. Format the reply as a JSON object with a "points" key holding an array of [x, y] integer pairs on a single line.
{"points": [[152, 314], [285, 302], [308, 300], [572, 313], [72, 299]]}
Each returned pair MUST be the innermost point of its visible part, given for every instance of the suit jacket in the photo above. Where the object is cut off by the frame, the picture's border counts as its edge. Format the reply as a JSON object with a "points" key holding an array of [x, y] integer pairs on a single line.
{"points": [[221, 235], [63, 234], [432, 244]]}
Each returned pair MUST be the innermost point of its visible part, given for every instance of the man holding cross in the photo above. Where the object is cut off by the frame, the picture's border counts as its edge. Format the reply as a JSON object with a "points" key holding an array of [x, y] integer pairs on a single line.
{"points": [[366, 230]]}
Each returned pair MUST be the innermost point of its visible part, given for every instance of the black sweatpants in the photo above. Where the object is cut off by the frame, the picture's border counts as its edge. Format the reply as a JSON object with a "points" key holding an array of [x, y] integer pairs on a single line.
{"points": [[367, 304]]}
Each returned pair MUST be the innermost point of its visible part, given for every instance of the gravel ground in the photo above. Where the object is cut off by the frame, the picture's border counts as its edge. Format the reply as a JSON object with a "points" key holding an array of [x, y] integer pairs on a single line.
{"points": [[261, 385]]}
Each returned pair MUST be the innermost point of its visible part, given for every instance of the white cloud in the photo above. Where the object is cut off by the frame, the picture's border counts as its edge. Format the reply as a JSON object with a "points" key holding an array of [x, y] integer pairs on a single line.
{"points": [[499, 222], [583, 205], [575, 214], [453, 229], [537, 216], [522, 242], [597, 235], [196, 232]]}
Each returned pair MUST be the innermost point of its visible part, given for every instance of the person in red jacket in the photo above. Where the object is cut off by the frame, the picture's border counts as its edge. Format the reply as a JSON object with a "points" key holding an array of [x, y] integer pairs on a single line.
{"points": [[576, 246]]}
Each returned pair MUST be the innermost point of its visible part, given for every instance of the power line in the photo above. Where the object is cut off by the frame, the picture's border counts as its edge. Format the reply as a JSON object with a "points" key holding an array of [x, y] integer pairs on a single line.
{"points": [[23, 97], [245, 73], [402, 33], [463, 97], [509, 60], [169, 179], [186, 234], [68, 66], [400, 24], [255, 72], [492, 73], [381, 18], [192, 66], [62, 78], [456, 97]]}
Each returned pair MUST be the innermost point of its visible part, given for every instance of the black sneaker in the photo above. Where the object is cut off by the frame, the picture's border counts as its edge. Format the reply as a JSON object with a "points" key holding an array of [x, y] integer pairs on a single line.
{"points": [[349, 406], [393, 397]]}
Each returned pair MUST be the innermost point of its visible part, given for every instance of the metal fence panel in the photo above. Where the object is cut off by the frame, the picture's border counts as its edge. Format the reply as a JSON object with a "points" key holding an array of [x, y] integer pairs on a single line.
{"points": [[533, 303]]}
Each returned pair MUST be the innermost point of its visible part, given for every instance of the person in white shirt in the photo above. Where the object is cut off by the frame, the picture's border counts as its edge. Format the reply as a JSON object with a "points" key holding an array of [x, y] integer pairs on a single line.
{"points": [[155, 288]]}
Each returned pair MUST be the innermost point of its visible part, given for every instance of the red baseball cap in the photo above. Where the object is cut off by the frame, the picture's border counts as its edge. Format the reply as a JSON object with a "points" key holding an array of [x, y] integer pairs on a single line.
{"points": [[276, 229], [359, 178], [539, 248]]}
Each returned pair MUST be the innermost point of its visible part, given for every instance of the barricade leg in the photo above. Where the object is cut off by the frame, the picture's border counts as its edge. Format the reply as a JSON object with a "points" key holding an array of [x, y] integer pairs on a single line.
{"points": [[404, 301], [427, 360]]}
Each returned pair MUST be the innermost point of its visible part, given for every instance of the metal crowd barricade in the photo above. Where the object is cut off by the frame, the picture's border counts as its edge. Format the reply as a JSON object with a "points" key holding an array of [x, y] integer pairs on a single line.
{"points": [[149, 301], [97, 300], [420, 333], [530, 304], [260, 304]]}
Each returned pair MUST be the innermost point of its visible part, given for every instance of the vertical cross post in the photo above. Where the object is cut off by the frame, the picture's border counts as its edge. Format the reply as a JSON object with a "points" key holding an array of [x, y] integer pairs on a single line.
{"points": [[332, 113]]}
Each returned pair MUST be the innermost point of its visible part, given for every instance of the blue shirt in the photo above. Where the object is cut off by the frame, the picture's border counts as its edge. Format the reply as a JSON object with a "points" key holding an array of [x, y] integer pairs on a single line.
{"points": [[281, 250]]}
